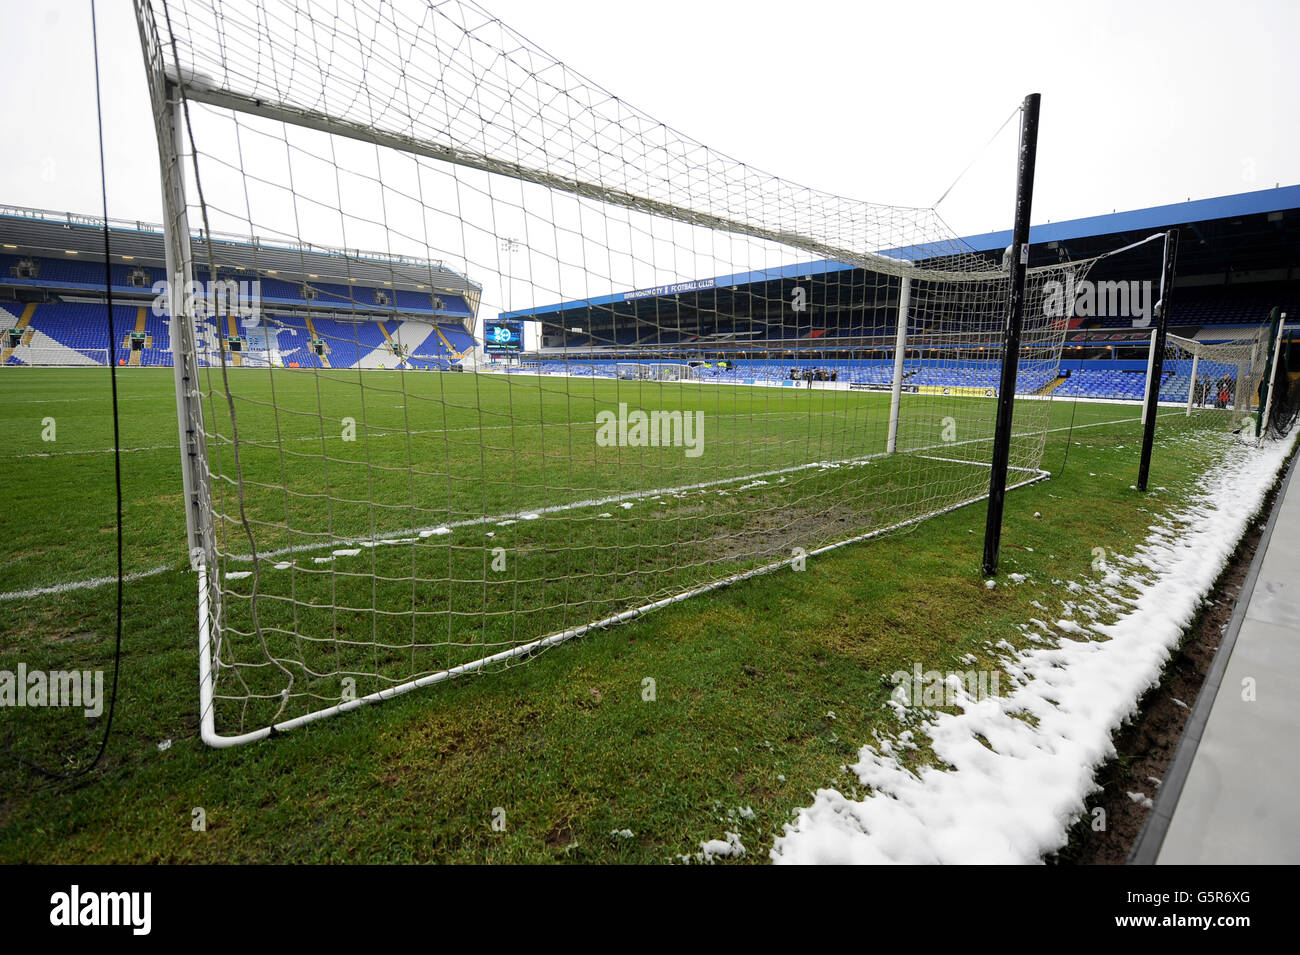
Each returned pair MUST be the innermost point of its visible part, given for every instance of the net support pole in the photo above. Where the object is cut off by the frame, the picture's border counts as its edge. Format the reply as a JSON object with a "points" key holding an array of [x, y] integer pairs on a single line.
{"points": [[1011, 333], [1152, 406], [1191, 386], [900, 346], [1151, 359], [1266, 385], [1275, 356]]}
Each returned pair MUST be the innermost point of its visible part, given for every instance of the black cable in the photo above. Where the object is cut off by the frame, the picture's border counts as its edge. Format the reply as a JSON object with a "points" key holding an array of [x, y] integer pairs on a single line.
{"points": [[117, 444], [1069, 438]]}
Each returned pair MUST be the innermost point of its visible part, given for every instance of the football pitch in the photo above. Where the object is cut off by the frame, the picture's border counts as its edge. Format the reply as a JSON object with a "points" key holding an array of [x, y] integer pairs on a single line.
{"points": [[331, 458], [374, 529], [377, 505]]}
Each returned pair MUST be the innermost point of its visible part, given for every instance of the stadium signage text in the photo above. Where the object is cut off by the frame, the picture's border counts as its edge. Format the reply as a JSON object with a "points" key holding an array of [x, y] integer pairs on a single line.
{"points": [[70, 688], [242, 299], [655, 429], [875, 386], [670, 289], [1087, 299], [1090, 337]]}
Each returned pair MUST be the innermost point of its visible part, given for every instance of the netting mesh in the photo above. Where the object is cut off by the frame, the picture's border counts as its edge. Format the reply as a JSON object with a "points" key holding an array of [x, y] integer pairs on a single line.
{"points": [[1219, 382], [723, 372], [449, 81], [1283, 396]]}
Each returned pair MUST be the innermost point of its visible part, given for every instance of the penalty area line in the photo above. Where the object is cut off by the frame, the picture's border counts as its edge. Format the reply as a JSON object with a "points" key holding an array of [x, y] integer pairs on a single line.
{"points": [[81, 584], [141, 575], [410, 534]]}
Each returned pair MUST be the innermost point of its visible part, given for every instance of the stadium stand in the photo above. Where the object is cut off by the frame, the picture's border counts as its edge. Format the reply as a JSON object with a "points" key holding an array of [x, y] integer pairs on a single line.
{"points": [[369, 310], [380, 312]]}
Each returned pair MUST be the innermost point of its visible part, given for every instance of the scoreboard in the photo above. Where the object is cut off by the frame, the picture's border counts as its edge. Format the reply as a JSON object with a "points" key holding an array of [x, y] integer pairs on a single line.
{"points": [[503, 337]]}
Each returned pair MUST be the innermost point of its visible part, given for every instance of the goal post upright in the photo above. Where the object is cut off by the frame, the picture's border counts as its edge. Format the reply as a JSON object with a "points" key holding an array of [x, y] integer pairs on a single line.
{"points": [[179, 263], [1012, 331], [1156, 368], [900, 346], [1191, 385], [169, 122]]}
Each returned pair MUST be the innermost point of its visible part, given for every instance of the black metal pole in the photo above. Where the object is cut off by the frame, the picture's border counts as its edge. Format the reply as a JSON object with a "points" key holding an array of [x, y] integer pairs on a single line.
{"points": [[1274, 318], [1011, 334], [1158, 358]]}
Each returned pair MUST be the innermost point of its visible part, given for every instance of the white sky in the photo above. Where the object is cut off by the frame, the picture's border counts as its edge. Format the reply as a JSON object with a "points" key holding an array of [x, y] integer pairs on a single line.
{"points": [[1144, 103]]}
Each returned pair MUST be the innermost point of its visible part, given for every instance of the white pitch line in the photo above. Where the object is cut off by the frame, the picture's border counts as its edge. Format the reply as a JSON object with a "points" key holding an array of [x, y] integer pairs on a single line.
{"points": [[444, 528], [513, 516], [376, 432], [397, 432], [80, 584], [625, 496], [205, 695], [60, 454], [59, 401]]}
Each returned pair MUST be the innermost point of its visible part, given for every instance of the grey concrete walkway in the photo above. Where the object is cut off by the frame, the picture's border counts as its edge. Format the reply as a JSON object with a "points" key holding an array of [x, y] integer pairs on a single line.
{"points": [[1232, 793]]}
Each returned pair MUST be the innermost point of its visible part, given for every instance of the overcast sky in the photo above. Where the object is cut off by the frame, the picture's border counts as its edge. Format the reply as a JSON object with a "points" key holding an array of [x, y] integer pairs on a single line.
{"points": [[1143, 103]]}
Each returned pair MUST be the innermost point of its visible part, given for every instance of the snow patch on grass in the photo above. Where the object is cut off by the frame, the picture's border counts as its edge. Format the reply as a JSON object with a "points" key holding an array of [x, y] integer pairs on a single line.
{"points": [[1011, 787], [1142, 799], [729, 848]]}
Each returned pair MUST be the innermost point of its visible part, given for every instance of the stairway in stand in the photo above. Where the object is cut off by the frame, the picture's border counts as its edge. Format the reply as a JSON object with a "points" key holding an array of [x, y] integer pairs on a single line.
{"points": [[28, 310]]}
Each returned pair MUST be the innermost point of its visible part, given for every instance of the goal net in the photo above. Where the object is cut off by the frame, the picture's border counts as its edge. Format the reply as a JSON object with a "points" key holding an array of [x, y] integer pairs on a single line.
{"points": [[653, 371], [1216, 382], [737, 372]]}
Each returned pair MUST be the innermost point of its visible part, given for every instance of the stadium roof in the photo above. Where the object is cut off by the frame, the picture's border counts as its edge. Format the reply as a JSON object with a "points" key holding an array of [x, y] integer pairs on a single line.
{"points": [[41, 232], [1154, 218], [1257, 231]]}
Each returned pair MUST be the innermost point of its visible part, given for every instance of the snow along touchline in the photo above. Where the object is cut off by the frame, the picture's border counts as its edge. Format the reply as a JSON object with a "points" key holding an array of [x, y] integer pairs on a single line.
{"points": [[1017, 769]]}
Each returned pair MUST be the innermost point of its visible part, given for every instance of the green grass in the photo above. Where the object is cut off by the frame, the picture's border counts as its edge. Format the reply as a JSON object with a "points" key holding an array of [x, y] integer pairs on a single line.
{"points": [[565, 742]]}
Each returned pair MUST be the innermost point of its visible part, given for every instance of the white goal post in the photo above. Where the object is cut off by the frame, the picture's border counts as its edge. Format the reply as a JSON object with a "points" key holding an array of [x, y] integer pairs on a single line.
{"points": [[654, 371], [359, 535]]}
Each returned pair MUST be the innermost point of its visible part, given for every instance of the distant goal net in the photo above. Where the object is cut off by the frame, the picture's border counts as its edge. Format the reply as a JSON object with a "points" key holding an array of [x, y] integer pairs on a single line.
{"points": [[1217, 382], [737, 372], [654, 371]]}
